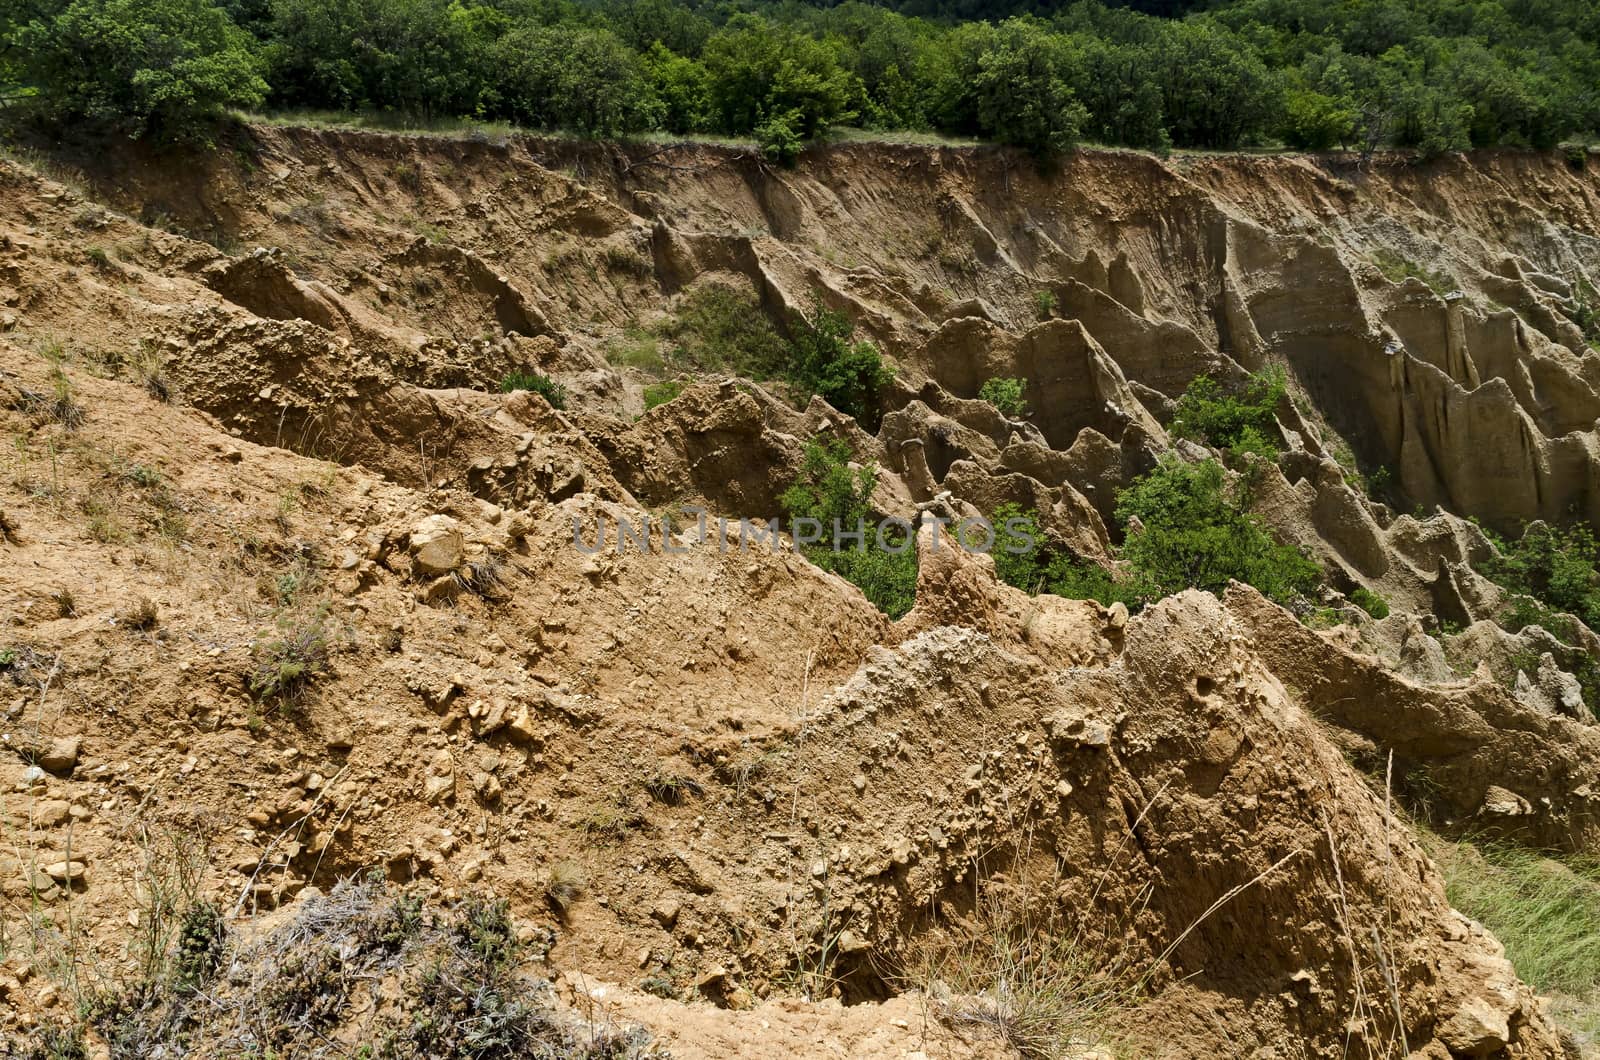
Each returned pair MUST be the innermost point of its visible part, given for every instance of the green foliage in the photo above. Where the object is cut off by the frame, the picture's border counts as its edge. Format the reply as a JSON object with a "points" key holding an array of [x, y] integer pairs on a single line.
{"points": [[1196, 534], [166, 68], [1398, 269], [1370, 602], [575, 78], [1244, 420], [848, 375], [1554, 567], [768, 76], [287, 664], [1044, 303], [1586, 311], [662, 392], [541, 384], [1019, 94], [1018, 547], [721, 329], [1545, 911], [1005, 395], [1192, 532], [1430, 75], [839, 499]]}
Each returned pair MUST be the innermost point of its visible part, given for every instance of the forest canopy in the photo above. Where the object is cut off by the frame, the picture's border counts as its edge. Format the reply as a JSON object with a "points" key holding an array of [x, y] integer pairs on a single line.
{"points": [[1433, 75]]}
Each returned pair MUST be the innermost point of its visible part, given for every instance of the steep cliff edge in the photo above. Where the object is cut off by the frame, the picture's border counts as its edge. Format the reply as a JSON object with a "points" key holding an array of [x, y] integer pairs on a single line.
{"points": [[769, 787]]}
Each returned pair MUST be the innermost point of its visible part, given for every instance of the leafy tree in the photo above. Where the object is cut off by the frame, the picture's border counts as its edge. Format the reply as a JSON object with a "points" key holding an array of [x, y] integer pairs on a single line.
{"points": [[1005, 395], [585, 80], [1215, 91], [1194, 533], [425, 58], [684, 88], [1242, 420], [764, 74], [1021, 96], [838, 498], [167, 68], [1008, 83], [848, 375], [1315, 121]]}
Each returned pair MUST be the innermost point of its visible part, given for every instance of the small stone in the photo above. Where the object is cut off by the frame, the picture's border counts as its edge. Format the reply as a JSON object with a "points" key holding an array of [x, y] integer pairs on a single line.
{"points": [[859, 782], [61, 757], [666, 912], [65, 871], [51, 812], [437, 545], [850, 942]]}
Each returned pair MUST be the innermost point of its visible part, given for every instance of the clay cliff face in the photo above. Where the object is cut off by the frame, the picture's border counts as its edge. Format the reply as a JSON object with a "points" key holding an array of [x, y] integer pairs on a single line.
{"points": [[1182, 784]]}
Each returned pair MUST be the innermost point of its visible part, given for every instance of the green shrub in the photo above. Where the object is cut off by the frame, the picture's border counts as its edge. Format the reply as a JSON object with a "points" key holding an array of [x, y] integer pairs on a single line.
{"points": [[779, 137], [1397, 269], [1044, 304], [662, 392], [719, 328], [837, 497], [848, 375], [167, 68], [1555, 567], [1244, 420], [539, 383], [1005, 395], [1370, 602], [1586, 311], [287, 664], [1196, 534], [1015, 528]]}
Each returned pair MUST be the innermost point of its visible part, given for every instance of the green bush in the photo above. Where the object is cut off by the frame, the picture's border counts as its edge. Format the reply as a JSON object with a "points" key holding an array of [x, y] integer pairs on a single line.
{"points": [[1555, 567], [719, 328], [1018, 552], [1005, 395], [1196, 534], [1243, 420], [167, 68], [779, 137], [1398, 269], [1044, 304], [1370, 602], [662, 392], [287, 664], [539, 383], [848, 375], [837, 497]]}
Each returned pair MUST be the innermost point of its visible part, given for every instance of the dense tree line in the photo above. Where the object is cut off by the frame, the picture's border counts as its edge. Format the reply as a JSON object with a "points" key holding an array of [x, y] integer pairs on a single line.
{"points": [[1430, 74]]}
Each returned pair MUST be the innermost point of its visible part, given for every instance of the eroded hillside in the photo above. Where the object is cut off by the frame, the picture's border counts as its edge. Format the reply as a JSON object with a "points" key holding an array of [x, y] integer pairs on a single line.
{"points": [[255, 403]]}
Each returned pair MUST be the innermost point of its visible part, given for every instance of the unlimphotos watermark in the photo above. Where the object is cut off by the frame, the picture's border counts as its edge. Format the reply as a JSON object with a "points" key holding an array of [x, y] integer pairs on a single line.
{"points": [[892, 535]]}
